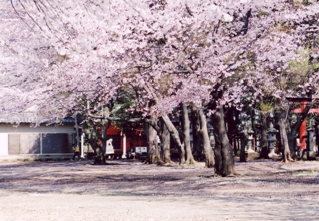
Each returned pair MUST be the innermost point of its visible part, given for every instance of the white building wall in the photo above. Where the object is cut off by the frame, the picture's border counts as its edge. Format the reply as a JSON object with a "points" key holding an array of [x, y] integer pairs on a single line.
{"points": [[4, 149], [27, 136]]}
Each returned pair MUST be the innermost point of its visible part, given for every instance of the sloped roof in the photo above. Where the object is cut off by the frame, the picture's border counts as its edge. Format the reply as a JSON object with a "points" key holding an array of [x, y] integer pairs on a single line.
{"points": [[24, 117]]}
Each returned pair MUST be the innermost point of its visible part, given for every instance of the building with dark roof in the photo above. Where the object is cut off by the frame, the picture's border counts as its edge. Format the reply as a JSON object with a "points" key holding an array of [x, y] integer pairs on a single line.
{"points": [[27, 140]]}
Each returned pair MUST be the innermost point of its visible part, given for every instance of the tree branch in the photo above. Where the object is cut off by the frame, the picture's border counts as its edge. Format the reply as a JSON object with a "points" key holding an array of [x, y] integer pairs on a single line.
{"points": [[244, 28]]}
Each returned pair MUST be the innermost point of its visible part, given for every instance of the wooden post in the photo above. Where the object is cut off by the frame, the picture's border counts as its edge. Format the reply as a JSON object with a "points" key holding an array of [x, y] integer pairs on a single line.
{"points": [[82, 146], [124, 146], [303, 128]]}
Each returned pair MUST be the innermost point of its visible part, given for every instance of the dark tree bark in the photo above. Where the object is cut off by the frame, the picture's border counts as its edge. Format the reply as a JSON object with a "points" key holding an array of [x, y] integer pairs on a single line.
{"points": [[175, 136], [288, 137], [244, 28], [99, 152], [231, 126], [152, 145], [218, 153], [243, 139], [170, 126], [186, 132], [165, 143], [99, 157], [286, 156], [197, 138], [224, 153], [243, 143], [264, 148], [208, 151]]}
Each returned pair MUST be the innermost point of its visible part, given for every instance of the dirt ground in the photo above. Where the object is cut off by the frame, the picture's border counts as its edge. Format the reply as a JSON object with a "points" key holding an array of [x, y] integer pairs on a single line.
{"points": [[129, 190]]}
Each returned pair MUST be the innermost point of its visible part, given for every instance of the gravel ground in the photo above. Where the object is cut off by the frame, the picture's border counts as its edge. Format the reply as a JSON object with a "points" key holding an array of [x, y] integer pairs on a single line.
{"points": [[130, 190]]}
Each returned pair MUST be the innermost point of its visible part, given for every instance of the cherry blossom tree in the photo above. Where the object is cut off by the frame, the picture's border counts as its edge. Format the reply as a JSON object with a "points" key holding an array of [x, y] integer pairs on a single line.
{"points": [[208, 54], [284, 78]]}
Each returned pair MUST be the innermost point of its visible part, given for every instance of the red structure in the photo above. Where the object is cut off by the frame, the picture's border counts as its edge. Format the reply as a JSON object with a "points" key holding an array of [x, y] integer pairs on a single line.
{"points": [[135, 137], [303, 128]]}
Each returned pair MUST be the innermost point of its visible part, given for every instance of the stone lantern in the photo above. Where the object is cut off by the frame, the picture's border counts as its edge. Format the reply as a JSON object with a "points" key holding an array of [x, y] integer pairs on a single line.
{"points": [[250, 141], [310, 139], [271, 137], [311, 143]]}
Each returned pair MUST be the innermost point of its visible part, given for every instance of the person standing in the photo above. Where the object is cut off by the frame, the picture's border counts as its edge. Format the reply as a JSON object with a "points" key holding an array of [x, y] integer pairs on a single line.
{"points": [[76, 153], [132, 151]]}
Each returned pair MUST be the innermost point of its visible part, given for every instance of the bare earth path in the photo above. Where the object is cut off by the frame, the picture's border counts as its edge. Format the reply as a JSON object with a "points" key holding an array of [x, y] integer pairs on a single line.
{"points": [[130, 190]]}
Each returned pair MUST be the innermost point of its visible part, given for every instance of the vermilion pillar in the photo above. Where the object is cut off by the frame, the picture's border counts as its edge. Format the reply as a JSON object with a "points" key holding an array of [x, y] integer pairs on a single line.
{"points": [[303, 129]]}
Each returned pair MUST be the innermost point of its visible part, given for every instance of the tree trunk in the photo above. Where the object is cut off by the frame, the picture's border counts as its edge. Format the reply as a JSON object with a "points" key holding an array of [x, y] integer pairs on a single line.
{"points": [[166, 142], [197, 138], [175, 136], [152, 146], [224, 166], [186, 131], [286, 156], [231, 126], [99, 157], [170, 126], [243, 143], [288, 139], [218, 153], [264, 148], [208, 151]]}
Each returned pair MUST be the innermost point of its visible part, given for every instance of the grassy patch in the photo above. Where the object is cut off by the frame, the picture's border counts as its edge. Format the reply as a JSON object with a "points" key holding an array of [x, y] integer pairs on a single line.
{"points": [[305, 172]]}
